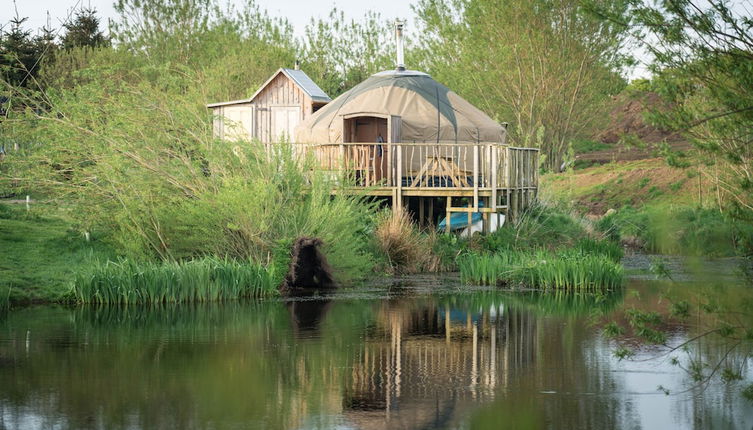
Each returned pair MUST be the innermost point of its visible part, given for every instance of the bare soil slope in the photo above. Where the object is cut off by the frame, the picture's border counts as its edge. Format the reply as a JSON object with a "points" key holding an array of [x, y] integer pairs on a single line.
{"points": [[627, 119]]}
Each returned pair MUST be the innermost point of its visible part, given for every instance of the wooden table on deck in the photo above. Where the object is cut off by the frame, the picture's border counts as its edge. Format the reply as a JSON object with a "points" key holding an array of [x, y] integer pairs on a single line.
{"points": [[442, 166]]}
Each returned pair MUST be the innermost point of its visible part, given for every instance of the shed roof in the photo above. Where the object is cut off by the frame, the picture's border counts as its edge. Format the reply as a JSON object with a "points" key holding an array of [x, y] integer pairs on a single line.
{"points": [[307, 85], [299, 77]]}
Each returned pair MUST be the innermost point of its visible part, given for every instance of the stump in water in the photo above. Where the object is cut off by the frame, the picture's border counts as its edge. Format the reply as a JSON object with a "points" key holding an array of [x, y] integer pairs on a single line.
{"points": [[308, 267]]}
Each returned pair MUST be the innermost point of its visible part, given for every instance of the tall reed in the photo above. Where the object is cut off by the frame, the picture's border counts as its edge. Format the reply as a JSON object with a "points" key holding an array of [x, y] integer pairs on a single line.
{"points": [[566, 270], [199, 280], [605, 247], [4, 301]]}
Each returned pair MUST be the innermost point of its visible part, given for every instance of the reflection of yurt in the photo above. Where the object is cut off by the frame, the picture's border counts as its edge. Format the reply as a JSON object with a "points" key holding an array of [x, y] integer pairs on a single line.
{"points": [[410, 105]]}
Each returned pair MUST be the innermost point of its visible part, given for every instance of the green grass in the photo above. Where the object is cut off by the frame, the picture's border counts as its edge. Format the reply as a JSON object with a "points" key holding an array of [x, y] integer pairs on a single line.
{"points": [[200, 280], [548, 248], [683, 230], [569, 270], [41, 254]]}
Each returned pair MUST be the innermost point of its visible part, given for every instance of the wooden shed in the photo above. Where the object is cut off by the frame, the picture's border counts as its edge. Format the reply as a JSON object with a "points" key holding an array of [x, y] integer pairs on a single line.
{"points": [[271, 115]]}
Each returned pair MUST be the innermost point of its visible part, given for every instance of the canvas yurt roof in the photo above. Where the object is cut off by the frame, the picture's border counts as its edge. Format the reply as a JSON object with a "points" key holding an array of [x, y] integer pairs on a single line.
{"points": [[429, 111]]}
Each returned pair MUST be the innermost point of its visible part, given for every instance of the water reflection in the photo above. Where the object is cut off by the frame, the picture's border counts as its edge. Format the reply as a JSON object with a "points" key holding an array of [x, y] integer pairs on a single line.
{"points": [[449, 360], [307, 314]]}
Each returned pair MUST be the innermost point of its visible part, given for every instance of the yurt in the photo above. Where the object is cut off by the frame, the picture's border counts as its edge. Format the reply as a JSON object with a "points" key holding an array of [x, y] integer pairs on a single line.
{"points": [[403, 106], [418, 109]]}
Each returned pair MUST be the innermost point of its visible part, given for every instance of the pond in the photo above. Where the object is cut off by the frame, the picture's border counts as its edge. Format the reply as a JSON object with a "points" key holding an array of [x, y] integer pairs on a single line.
{"points": [[414, 353]]}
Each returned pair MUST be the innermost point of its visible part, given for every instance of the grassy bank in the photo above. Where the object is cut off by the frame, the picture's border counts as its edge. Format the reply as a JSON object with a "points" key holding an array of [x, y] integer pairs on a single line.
{"points": [[201, 280], [680, 230], [595, 190], [41, 253], [647, 204], [251, 209]]}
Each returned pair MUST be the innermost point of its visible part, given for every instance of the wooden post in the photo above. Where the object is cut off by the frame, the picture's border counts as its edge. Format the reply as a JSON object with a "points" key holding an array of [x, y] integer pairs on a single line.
{"points": [[28, 203], [485, 227], [399, 178], [448, 215], [431, 211], [475, 176], [421, 211], [390, 165], [513, 206], [495, 156]]}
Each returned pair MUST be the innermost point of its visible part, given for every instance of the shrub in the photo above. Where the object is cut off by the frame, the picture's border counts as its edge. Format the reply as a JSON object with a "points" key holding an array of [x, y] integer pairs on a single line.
{"points": [[681, 230], [607, 248], [538, 226]]}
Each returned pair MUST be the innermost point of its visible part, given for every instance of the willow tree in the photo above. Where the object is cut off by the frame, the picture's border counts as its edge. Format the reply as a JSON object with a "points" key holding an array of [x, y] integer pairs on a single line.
{"points": [[231, 51], [547, 67]]}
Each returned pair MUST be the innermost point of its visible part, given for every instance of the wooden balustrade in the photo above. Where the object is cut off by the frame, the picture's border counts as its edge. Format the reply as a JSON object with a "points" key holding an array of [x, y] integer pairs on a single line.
{"points": [[423, 166]]}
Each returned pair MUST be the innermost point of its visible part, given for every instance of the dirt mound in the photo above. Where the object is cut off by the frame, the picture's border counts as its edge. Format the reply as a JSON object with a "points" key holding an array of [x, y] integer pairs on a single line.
{"points": [[627, 119]]}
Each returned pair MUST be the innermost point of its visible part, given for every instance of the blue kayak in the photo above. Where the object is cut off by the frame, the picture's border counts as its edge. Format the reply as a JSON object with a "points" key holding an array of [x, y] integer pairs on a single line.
{"points": [[460, 220]]}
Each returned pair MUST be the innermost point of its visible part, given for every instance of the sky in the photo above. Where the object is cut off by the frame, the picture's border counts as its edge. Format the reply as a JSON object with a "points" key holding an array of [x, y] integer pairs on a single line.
{"points": [[298, 12]]}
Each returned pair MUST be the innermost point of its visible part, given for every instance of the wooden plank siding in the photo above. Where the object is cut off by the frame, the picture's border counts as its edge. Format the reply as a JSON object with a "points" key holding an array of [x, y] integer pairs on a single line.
{"points": [[257, 119], [282, 92]]}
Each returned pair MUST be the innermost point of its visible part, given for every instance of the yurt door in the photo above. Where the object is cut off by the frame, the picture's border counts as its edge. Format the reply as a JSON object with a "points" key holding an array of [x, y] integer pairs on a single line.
{"points": [[369, 161]]}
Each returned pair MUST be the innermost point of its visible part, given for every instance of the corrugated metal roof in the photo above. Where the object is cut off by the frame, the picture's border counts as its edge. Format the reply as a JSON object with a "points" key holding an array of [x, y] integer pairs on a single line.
{"points": [[298, 76], [307, 85]]}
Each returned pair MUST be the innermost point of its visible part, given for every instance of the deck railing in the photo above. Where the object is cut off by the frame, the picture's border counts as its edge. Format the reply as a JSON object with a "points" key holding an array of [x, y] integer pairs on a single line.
{"points": [[446, 165]]}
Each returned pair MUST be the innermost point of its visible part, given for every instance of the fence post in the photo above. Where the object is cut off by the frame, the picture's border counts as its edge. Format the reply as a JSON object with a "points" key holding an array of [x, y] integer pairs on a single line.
{"points": [[475, 176], [399, 178], [495, 156], [28, 203], [448, 216]]}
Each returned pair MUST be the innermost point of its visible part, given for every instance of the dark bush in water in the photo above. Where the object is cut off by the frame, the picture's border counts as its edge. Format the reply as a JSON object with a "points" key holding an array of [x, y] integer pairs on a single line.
{"points": [[308, 267]]}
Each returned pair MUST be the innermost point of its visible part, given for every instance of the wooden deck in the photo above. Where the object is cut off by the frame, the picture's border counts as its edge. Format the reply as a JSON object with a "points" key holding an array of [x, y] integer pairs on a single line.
{"points": [[493, 178]]}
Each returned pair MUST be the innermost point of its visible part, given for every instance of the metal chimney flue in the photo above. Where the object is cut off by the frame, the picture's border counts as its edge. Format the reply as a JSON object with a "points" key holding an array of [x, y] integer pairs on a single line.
{"points": [[399, 26]]}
